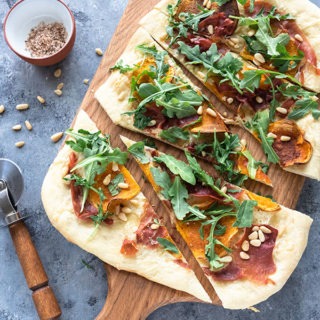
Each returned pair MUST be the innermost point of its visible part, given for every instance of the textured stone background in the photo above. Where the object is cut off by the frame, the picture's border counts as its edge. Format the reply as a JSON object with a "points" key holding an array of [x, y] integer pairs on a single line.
{"points": [[82, 291]]}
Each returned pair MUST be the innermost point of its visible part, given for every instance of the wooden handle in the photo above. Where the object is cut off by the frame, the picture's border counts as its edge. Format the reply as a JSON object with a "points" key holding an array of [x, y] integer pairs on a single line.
{"points": [[36, 277]]}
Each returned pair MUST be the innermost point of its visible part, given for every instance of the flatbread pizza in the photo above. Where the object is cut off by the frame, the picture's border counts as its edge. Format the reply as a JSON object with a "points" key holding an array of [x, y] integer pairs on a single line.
{"points": [[94, 202], [271, 102], [147, 92], [247, 245]]}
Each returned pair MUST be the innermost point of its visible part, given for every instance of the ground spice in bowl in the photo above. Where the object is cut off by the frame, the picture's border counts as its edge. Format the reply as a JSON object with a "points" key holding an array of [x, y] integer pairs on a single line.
{"points": [[46, 39]]}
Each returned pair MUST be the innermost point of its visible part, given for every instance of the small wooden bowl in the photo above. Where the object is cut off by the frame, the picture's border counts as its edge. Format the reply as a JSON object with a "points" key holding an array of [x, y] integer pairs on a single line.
{"points": [[27, 14]]}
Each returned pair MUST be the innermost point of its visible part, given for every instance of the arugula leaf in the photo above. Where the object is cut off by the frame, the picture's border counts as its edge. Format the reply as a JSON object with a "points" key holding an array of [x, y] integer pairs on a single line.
{"points": [[141, 121], [123, 68], [178, 194], [177, 167], [113, 185], [197, 213], [174, 134], [168, 245], [162, 179], [295, 91], [284, 61], [253, 165], [137, 150], [220, 2], [304, 107], [245, 214]]}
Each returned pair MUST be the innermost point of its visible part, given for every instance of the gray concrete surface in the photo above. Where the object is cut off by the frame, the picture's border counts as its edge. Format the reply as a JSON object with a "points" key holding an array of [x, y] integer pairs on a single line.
{"points": [[82, 291]]}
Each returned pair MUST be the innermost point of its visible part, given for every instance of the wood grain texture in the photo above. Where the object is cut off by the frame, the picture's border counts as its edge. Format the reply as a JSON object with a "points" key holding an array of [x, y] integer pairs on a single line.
{"points": [[36, 277], [131, 296]]}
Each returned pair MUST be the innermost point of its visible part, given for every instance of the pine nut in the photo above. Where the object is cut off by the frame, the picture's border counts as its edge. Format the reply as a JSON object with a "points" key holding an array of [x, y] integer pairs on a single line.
{"points": [[154, 226], [205, 2], [226, 259], [17, 127], [56, 137], [209, 4], [230, 100], [224, 189], [271, 135], [117, 210], [243, 142], [86, 81], [259, 99], [211, 113], [251, 33], [19, 144], [152, 123], [285, 138], [122, 216], [28, 125], [298, 37], [255, 242], [282, 110], [210, 29], [41, 100], [107, 180], [200, 111], [259, 57], [262, 238], [126, 210], [244, 256], [60, 86], [264, 229], [134, 202], [99, 52], [123, 185], [23, 106], [203, 153], [245, 245], [224, 98], [256, 62], [234, 40], [253, 235], [58, 92], [2, 109], [57, 73], [255, 228], [115, 167]]}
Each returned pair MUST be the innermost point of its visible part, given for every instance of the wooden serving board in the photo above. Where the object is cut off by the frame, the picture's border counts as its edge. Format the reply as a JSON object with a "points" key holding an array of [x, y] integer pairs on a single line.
{"points": [[131, 296]]}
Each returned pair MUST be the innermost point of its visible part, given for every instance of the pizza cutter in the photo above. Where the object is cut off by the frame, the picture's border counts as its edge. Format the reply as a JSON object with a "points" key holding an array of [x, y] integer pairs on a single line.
{"points": [[11, 189]]}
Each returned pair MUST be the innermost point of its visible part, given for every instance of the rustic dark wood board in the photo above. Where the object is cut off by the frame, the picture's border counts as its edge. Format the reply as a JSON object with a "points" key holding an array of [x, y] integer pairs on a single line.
{"points": [[131, 296]]}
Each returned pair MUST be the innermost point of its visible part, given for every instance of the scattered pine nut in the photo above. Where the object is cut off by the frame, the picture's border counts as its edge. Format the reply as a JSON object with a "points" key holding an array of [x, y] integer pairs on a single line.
{"points": [[117, 211], [226, 259], [262, 238], [154, 226], [244, 256], [58, 92], [123, 185], [243, 142], [253, 235], [256, 62], [200, 111], [115, 167], [254, 309], [57, 73], [86, 81], [2, 109], [251, 33], [19, 144], [99, 52], [255, 228], [205, 3], [28, 125], [211, 113], [224, 98], [210, 29], [245, 245], [17, 127], [225, 114], [134, 202], [264, 229], [271, 135], [203, 153], [60, 86], [234, 40], [56, 137], [285, 138], [259, 57], [41, 100], [255, 242], [209, 4], [282, 110], [22, 106], [298, 37], [224, 189], [122, 216], [107, 180], [126, 210], [259, 99], [230, 100], [152, 123]]}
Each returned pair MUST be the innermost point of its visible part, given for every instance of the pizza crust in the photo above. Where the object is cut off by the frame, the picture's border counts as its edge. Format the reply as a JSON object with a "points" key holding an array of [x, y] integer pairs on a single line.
{"points": [[156, 264], [310, 126], [293, 229]]}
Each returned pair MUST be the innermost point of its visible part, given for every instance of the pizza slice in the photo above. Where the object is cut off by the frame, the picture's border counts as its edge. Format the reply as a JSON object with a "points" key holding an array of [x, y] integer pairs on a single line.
{"points": [[147, 92], [276, 35], [247, 245], [272, 105], [93, 201]]}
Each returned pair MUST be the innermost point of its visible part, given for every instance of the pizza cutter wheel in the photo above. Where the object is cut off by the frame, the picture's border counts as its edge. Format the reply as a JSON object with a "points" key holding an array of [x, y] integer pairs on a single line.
{"points": [[11, 189]]}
